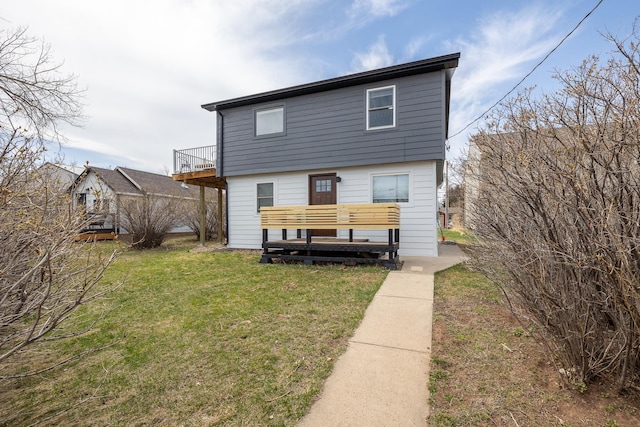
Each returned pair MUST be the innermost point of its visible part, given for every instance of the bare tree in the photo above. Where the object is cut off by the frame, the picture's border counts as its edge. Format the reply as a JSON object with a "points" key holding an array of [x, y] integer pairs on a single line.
{"points": [[44, 274], [557, 213]]}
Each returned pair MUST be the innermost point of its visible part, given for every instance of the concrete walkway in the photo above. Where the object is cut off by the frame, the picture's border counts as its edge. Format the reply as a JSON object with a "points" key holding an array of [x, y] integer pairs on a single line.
{"points": [[382, 379]]}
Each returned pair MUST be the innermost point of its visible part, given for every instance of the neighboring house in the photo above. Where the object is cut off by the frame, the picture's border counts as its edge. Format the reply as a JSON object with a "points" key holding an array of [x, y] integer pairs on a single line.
{"points": [[371, 137], [99, 192], [60, 175]]}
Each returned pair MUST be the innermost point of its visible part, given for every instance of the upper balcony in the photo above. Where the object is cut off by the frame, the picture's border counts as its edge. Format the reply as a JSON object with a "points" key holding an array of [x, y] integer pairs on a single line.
{"points": [[197, 166]]}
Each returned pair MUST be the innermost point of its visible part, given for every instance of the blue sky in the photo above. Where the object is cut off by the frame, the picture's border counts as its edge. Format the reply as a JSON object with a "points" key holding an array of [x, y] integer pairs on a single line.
{"points": [[147, 66]]}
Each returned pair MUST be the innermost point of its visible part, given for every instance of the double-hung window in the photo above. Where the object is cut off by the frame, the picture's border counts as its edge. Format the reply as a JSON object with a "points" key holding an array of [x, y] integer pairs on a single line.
{"points": [[381, 108], [391, 188], [269, 121], [265, 194]]}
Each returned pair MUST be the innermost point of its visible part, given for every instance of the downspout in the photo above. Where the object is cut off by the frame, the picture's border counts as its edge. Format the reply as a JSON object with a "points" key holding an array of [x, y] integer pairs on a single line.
{"points": [[220, 173], [219, 160]]}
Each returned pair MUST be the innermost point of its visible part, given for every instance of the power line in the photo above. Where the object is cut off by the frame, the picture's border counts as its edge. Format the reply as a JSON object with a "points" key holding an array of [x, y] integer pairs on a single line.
{"points": [[530, 72]]}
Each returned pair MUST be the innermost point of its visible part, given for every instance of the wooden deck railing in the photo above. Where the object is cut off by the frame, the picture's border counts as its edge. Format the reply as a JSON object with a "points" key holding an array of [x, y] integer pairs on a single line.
{"points": [[343, 216]]}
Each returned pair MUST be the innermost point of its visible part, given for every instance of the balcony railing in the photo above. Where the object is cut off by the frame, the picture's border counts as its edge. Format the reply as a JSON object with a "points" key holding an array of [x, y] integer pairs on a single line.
{"points": [[194, 159]]}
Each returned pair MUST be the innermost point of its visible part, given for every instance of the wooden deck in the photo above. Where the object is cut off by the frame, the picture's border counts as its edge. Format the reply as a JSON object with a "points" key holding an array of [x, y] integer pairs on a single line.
{"points": [[203, 178], [312, 249], [96, 235]]}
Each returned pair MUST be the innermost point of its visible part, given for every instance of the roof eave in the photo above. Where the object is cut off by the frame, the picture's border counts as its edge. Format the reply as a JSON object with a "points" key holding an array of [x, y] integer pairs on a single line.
{"points": [[446, 62]]}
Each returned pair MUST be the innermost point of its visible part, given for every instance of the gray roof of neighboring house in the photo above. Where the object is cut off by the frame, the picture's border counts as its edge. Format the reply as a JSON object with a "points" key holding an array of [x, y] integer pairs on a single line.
{"points": [[131, 181], [445, 62], [76, 170], [114, 179]]}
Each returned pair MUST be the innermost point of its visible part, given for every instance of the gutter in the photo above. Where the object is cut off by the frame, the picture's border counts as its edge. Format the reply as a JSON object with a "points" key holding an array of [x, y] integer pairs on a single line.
{"points": [[219, 144]]}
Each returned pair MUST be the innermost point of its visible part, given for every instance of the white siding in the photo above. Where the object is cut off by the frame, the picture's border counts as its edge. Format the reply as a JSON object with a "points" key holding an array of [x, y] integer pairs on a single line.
{"points": [[418, 230], [94, 188]]}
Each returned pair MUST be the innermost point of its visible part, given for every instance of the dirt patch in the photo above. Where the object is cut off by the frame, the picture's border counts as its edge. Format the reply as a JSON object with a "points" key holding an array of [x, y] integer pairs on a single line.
{"points": [[488, 369]]}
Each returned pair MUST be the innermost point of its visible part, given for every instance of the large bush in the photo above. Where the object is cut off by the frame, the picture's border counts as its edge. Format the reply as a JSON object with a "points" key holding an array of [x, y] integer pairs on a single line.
{"points": [[557, 213], [149, 218]]}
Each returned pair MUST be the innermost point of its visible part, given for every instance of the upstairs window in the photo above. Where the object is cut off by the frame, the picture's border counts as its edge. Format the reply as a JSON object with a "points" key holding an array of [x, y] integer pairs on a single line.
{"points": [[381, 108], [265, 194], [391, 188], [269, 121]]}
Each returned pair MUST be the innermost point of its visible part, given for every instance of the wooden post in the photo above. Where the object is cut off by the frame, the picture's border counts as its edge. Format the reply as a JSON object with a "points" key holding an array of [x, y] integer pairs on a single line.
{"points": [[220, 218], [203, 217]]}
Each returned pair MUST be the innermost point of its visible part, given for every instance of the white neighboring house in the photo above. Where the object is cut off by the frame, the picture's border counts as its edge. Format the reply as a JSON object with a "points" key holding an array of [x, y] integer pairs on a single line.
{"points": [[99, 191], [372, 137], [59, 174]]}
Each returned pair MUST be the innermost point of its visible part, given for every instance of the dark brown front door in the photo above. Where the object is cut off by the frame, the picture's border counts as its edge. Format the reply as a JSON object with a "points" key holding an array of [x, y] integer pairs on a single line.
{"points": [[322, 191]]}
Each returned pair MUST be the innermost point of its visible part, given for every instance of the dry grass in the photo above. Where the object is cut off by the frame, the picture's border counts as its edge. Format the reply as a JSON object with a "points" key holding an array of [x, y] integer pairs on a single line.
{"points": [[488, 370], [201, 338]]}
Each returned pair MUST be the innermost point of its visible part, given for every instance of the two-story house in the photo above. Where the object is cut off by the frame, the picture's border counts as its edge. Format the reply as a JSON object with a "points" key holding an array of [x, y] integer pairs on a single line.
{"points": [[371, 137]]}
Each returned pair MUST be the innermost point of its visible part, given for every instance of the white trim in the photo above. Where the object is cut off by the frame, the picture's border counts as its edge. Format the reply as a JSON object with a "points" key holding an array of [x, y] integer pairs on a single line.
{"points": [[393, 109]]}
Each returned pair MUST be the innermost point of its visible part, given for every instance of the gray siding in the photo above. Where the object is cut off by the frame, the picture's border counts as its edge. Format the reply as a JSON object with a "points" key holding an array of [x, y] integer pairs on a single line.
{"points": [[327, 130]]}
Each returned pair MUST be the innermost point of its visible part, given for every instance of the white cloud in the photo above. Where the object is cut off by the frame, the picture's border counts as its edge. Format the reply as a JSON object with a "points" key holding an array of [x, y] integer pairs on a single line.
{"points": [[377, 56], [500, 52], [149, 65], [377, 8], [413, 47]]}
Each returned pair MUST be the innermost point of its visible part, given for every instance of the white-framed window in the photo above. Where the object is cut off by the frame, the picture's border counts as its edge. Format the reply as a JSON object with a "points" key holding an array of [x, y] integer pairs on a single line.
{"points": [[390, 188], [381, 107], [269, 121], [264, 191]]}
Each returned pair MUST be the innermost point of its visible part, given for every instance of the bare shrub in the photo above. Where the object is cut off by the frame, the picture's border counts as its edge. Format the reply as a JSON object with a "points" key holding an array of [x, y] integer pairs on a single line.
{"points": [[557, 213], [149, 218]]}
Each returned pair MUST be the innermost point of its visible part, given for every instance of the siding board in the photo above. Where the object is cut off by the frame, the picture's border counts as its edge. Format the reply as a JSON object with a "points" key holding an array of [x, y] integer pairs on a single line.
{"points": [[418, 231], [327, 130]]}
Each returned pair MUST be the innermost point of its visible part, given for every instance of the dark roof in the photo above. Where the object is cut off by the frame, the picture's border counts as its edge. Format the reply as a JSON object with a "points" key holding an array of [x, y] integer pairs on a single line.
{"points": [[131, 181], [446, 62], [114, 179], [156, 183]]}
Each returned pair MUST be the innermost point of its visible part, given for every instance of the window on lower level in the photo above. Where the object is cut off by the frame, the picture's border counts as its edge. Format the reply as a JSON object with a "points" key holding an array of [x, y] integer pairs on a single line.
{"points": [[381, 108], [391, 188], [265, 194]]}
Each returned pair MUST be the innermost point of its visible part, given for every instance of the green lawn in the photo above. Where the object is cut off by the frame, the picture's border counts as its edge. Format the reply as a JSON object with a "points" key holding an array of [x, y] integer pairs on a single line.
{"points": [[200, 339], [458, 235]]}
